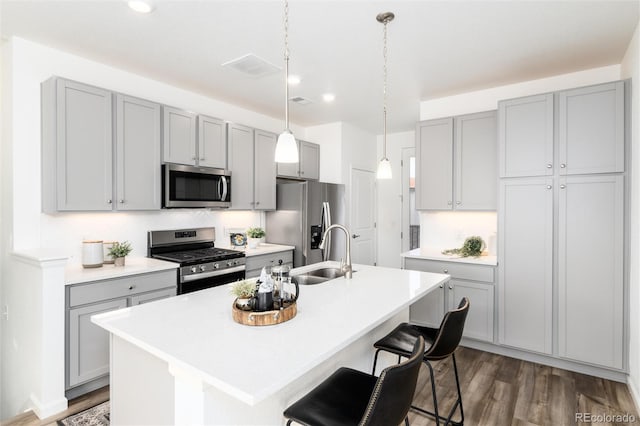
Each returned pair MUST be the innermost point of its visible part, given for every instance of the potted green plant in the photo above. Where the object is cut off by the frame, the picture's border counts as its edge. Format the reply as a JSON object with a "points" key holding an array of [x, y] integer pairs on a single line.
{"points": [[255, 236], [118, 252], [243, 291]]}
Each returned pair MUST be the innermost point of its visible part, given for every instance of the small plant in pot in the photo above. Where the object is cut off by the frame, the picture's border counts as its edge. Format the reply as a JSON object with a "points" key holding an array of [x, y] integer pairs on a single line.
{"points": [[255, 236], [243, 291], [118, 252]]}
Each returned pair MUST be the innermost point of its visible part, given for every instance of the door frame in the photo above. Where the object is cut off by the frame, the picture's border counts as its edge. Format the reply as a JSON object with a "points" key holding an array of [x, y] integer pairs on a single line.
{"points": [[405, 222]]}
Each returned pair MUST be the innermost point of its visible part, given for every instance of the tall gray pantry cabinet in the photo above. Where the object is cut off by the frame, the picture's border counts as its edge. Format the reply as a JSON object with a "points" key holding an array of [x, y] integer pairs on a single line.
{"points": [[95, 157], [561, 274]]}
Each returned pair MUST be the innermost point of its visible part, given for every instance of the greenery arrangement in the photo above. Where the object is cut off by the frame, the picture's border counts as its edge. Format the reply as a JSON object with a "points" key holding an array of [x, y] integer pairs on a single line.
{"points": [[243, 289], [256, 232], [472, 246], [120, 249]]}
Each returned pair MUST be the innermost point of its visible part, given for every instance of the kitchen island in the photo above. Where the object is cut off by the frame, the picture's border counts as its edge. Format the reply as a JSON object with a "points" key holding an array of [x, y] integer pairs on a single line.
{"points": [[184, 360]]}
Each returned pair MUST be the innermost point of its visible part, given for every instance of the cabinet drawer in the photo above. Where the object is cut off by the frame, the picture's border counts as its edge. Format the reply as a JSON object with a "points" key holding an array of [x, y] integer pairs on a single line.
{"points": [[463, 271], [120, 287], [271, 259]]}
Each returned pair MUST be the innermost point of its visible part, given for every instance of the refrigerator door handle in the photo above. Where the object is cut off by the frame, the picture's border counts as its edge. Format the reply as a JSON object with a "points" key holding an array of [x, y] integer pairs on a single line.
{"points": [[326, 223]]}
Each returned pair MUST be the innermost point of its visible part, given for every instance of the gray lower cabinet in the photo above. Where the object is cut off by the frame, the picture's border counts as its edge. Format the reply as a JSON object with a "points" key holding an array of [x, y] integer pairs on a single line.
{"points": [[308, 167], [87, 345], [476, 282], [254, 264], [456, 163]]}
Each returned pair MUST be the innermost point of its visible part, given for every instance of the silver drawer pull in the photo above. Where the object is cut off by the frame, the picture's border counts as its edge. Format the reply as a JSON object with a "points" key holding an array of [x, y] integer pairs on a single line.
{"points": [[131, 287], [446, 271], [549, 166]]}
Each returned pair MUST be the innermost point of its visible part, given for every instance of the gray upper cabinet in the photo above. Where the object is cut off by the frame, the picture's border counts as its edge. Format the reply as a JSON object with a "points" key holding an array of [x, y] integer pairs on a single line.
{"points": [[456, 163], [264, 170], [212, 142], [434, 165], [525, 136], [77, 147], [138, 176], [307, 168], [179, 136], [591, 129], [241, 165]]}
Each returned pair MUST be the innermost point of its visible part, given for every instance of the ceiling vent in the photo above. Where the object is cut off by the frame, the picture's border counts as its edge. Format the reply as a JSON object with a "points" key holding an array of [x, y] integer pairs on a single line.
{"points": [[252, 66], [300, 100]]}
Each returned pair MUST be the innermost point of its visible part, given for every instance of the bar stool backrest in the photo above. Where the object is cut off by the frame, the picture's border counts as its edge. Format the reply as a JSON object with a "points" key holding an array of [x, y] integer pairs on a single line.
{"points": [[392, 396], [450, 332]]}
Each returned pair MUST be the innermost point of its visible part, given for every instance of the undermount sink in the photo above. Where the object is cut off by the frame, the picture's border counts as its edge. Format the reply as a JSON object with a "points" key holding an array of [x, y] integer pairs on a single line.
{"points": [[318, 276]]}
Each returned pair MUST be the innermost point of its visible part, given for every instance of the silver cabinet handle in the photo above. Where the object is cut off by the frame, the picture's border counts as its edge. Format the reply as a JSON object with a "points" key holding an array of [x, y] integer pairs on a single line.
{"points": [[562, 166], [257, 202], [201, 158], [121, 201], [301, 172], [193, 158], [549, 166], [131, 287], [109, 202], [446, 271], [549, 186], [449, 203], [450, 287], [355, 236], [563, 186], [441, 286], [458, 202]]}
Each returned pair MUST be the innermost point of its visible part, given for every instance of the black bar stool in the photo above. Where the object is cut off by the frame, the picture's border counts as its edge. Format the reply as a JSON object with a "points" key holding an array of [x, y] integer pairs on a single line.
{"points": [[441, 343], [351, 397]]}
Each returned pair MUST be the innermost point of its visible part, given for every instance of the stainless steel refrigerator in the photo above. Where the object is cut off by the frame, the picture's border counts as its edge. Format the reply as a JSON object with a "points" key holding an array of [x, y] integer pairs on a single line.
{"points": [[303, 211]]}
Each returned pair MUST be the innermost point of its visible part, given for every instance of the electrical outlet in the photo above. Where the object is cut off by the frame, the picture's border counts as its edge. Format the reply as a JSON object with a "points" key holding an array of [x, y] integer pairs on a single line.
{"points": [[5, 312]]}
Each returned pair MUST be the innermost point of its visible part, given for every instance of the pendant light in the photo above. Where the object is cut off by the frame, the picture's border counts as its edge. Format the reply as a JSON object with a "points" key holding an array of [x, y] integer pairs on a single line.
{"points": [[286, 147], [384, 166]]}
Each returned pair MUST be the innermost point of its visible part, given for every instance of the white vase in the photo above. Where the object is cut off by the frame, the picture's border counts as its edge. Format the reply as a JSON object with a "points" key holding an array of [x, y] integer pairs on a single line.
{"points": [[253, 242]]}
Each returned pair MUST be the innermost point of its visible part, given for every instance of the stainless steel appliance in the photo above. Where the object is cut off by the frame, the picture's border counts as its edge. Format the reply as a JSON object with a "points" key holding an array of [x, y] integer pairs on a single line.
{"points": [[202, 265], [304, 210], [195, 187]]}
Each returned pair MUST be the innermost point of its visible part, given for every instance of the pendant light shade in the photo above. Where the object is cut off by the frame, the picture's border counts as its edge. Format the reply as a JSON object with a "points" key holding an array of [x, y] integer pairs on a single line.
{"points": [[286, 147], [384, 166]]}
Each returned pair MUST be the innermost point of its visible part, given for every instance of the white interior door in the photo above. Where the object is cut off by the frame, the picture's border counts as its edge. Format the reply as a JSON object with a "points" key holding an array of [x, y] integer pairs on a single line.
{"points": [[363, 223]]}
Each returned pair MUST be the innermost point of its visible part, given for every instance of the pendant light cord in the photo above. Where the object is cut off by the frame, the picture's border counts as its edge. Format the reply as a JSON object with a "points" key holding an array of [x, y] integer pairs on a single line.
{"points": [[286, 64], [384, 92]]}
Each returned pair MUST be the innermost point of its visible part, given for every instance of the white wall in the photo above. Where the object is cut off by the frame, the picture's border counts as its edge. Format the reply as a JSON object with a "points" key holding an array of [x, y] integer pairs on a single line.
{"points": [[631, 69], [23, 227], [329, 137]]}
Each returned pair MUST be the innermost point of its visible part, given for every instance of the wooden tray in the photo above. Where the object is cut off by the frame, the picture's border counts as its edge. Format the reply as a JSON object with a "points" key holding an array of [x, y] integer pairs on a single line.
{"points": [[263, 318]]}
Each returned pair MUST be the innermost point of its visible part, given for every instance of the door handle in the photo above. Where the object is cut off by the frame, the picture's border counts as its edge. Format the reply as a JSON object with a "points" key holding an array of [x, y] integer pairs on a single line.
{"points": [[355, 235]]}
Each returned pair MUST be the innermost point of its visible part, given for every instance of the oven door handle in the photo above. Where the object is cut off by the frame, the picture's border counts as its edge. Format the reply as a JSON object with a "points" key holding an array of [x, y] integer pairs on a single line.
{"points": [[194, 277], [223, 196]]}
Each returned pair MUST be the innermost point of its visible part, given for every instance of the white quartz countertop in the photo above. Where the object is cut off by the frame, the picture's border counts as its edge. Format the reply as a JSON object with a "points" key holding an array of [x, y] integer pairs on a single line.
{"points": [[75, 273], [263, 248], [436, 254], [196, 333]]}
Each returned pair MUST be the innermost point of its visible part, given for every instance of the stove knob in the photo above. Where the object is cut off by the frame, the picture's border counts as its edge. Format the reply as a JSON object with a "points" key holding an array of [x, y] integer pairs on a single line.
{"points": [[202, 268], [216, 266], [235, 262], [229, 263], [194, 269]]}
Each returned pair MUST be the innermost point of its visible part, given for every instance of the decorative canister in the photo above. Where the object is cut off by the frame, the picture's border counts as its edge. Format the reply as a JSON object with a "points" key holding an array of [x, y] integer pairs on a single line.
{"points": [[92, 254], [106, 246]]}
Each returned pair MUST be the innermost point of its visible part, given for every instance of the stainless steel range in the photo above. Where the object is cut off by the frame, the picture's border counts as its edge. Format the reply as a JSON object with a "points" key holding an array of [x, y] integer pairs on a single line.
{"points": [[202, 265]]}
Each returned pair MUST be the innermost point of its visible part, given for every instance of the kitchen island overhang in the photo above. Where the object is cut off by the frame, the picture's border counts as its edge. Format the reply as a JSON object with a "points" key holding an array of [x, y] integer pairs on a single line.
{"points": [[204, 368]]}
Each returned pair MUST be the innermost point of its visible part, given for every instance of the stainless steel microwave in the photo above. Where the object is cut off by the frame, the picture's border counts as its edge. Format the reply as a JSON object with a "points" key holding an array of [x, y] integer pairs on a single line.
{"points": [[195, 187]]}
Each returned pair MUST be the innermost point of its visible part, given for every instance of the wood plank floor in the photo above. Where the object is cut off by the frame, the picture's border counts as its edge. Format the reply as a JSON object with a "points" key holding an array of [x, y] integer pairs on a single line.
{"points": [[496, 391]]}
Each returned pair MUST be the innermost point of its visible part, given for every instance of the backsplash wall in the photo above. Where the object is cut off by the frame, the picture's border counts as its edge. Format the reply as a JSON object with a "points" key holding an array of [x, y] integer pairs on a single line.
{"points": [[446, 230]]}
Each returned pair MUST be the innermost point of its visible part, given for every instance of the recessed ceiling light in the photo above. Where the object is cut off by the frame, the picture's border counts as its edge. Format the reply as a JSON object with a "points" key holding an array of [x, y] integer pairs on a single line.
{"points": [[328, 97], [140, 6], [293, 80]]}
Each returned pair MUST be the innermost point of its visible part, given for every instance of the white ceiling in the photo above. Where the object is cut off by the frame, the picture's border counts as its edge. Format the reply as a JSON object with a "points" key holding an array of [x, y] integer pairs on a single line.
{"points": [[436, 48]]}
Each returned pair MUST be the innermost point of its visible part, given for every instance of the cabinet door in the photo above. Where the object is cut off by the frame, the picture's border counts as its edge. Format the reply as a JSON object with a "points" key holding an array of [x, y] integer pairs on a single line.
{"points": [[525, 136], [525, 262], [290, 169], [479, 323], [88, 351], [434, 165], [265, 170], [212, 142], [241, 166], [309, 160], [137, 154], [178, 136], [429, 310], [152, 296], [476, 162], [591, 129], [590, 269], [84, 147]]}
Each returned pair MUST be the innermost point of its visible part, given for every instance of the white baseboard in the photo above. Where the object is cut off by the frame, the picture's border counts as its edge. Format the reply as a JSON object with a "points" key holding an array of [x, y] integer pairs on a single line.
{"points": [[634, 390], [49, 409]]}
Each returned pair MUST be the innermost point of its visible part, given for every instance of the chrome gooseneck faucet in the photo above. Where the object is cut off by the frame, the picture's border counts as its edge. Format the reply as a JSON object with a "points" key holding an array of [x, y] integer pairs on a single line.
{"points": [[345, 267]]}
